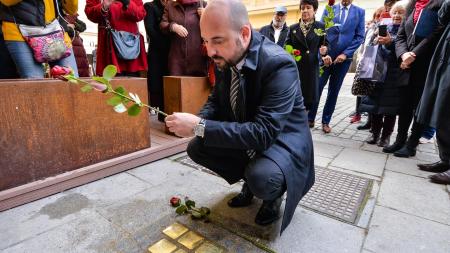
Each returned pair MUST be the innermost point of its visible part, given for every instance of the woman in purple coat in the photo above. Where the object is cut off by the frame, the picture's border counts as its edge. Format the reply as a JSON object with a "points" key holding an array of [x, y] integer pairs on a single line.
{"points": [[181, 20]]}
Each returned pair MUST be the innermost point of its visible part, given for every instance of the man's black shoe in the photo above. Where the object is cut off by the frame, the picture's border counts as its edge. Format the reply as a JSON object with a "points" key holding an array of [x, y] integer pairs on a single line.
{"points": [[437, 167], [405, 151], [269, 212], [244, 198], [394, 147]]}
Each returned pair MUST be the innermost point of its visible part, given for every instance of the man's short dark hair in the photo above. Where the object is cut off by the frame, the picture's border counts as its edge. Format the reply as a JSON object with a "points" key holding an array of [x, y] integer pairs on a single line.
{"points": [[314, 3]]}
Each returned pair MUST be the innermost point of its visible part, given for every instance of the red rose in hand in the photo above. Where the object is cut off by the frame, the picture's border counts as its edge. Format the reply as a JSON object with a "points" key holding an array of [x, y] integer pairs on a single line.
{"points": [[331, 2], [296, 52], [59, 72], [175, 201]]}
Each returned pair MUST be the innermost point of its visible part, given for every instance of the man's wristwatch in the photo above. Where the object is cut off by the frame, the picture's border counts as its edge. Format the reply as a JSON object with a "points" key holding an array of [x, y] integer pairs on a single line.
{"points": [[199, 129]]}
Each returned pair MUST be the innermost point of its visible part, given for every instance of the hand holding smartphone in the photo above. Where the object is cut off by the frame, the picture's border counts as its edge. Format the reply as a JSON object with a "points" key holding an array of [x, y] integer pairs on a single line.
{"points": [[382, 30]]}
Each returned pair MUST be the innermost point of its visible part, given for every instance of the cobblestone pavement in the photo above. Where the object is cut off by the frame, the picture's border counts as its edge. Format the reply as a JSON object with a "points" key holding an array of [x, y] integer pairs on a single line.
{"points": [[363, 201]]}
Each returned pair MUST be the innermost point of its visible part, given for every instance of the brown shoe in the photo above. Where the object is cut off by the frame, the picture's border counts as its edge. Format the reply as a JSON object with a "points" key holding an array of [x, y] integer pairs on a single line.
{"points": [[326, 128], [311, 124], [436, 167], [441, 178]]}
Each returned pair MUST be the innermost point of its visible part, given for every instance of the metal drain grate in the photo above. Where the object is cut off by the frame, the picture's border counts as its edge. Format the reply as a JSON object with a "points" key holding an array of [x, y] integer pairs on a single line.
{"points": [[335, 194]]}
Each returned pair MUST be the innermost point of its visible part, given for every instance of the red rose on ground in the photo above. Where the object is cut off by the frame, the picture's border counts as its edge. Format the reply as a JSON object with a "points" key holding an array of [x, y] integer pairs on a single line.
{"points": [[175, 201], [59, 71], [296, 52], [331, 2]]}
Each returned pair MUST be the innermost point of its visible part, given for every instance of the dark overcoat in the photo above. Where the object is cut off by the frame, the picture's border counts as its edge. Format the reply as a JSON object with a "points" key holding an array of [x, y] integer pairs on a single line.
{"points": [[158, 52], [275, 121], [269, 32], [434, 107], [407, 41], [185, 56], [387, 98], [308, 66]]}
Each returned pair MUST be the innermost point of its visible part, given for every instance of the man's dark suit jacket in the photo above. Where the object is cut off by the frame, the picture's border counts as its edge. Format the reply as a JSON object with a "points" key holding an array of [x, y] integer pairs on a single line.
{"points": [[269, 32], [273, 120]]}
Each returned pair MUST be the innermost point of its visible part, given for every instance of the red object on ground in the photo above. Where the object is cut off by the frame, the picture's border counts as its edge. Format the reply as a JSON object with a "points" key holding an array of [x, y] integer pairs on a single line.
{"points": [[356, 118]]}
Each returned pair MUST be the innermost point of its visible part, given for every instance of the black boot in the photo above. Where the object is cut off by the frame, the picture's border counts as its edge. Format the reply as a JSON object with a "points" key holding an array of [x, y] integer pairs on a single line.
{"points": [[373, 139], [406, 151], [398, 144], [269, 212], [409, 149], [365, 126], [384, 141], [244, 198]]}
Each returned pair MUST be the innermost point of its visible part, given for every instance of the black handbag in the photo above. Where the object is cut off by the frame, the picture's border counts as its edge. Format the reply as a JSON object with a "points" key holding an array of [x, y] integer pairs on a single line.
{"points": [[362, 87]]}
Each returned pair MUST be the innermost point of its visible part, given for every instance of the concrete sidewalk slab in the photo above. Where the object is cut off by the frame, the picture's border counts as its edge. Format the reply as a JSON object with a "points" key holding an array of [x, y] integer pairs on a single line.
{"points": [[312, 232], [394, 231], [361, 161], [415, 196], [406, 166], [88, 234]]}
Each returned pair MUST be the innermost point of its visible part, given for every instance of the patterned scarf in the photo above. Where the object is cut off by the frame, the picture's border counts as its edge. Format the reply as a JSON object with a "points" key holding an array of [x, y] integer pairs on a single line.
{"points": [[305, 27]]}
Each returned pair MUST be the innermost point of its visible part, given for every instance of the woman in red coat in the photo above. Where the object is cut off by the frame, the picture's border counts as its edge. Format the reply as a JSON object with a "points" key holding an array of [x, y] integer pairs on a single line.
{"points": [[123, 15]]}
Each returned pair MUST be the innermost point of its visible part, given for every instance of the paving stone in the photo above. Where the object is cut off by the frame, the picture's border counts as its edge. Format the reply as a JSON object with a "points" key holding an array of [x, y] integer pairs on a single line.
{"points": [[372, 148], [142, 219], [427, 147], [361, 161], [26, 221], [161, 171], [111, 189], [88, 234], [321, 161], [312, 232], [416, 196], [326, 150], [336, 141], [423, 156], [394, 231], [406, 166]]}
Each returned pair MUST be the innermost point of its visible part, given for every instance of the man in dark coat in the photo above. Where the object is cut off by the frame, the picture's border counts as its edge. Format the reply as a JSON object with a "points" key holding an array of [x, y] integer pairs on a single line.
{"points": [[254, 125], [433, 109], [277, 31]]}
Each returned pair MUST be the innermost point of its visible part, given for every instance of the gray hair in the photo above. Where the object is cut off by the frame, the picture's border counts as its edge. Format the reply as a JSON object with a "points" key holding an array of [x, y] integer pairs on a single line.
{"points": [[237, 12], [398, 5]]}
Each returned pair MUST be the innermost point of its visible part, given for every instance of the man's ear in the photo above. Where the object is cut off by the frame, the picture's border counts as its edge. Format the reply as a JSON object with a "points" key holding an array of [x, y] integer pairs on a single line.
{"points": [[246, 33]]}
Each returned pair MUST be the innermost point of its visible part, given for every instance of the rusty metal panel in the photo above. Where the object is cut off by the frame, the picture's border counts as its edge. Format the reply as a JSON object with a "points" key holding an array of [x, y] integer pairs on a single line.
{"points": [[185, 94], [48, 127]]}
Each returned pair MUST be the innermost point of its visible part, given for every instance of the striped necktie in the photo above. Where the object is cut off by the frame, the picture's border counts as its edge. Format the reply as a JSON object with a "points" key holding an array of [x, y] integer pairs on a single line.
{"points": [[342, 17], [234, 88]]}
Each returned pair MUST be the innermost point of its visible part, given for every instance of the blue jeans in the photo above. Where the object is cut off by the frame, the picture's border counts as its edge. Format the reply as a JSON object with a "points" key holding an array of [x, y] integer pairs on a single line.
{"points": [[336, 73], [428, 133], [27, 67]]}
